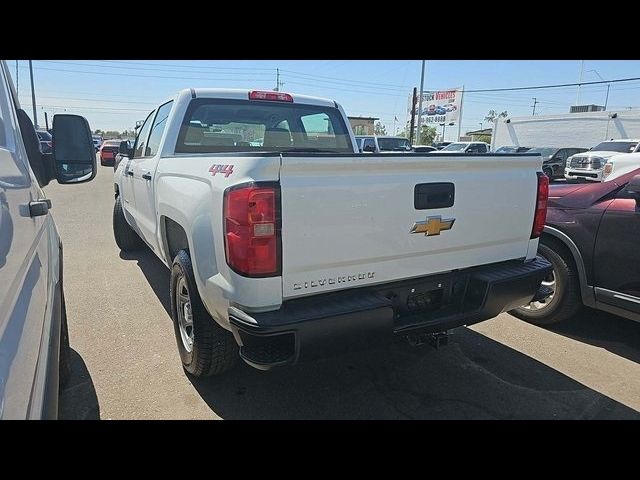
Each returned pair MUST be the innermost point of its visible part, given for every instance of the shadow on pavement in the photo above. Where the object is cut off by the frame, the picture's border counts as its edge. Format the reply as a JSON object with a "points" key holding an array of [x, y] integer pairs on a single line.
{"points": [[472, 378], [156, 273], [78, 401], [616, 334]]}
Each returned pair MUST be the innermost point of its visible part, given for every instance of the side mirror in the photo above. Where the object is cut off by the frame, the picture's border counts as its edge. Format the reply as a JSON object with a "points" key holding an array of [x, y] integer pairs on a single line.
{"points": [[74, 155], [633, 187], [124, 149]]}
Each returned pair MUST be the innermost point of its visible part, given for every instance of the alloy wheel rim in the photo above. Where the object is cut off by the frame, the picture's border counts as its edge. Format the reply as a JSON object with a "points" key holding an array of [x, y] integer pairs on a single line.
{"points": [[549, 282], [185, 315]]}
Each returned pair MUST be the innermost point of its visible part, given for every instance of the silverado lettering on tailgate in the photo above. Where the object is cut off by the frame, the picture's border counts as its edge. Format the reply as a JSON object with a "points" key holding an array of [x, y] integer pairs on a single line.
{"points": [[334, 280]]}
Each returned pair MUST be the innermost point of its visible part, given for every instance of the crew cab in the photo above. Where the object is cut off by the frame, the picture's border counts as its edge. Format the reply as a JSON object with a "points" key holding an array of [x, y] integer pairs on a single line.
{"points": [[285, 243], [591, 239], [594, 165]]}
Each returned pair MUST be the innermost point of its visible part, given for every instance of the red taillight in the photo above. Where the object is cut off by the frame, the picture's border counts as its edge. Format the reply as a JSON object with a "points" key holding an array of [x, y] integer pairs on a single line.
{"points": [[541, 205], [251, 231], [271, 96]]}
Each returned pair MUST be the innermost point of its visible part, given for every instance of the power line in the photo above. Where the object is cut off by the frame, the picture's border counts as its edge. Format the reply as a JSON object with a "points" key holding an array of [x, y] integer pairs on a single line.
{"points": [[139, 68], [151, 76], [292, 72], [187, 66]]}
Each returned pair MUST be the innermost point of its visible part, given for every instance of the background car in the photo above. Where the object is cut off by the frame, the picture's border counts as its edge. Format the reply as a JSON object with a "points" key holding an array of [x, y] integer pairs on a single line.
{"points": [[554, 159], [108, 152], [441, 145], [591, 239], [512, 149], [97, 141], [46, 141], [592, 165], [379, 144], [441, 110], [450, 107], [466, 147], [424, 148]]}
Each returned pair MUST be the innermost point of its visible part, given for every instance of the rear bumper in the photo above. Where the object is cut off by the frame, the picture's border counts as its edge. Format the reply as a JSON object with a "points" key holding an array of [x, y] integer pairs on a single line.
{"points": [[316, 326]]}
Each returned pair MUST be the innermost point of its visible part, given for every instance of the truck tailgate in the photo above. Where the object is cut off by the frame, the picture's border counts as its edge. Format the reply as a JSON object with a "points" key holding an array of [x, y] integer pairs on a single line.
{"points": [[346, 219]]}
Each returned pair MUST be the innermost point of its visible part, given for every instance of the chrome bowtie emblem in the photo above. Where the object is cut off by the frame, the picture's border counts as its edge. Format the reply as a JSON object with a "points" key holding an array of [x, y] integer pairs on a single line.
{"points": [[432, 226]]}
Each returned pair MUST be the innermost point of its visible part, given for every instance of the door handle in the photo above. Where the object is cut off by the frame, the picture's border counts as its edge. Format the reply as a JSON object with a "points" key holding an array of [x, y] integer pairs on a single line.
{"points": [[129, 172], [146, 176], [39, 207]]}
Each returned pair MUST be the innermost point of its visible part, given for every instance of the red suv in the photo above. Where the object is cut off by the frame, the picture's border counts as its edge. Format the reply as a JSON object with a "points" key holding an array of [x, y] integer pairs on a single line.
{"points": [[591, 238], [108, 152]]}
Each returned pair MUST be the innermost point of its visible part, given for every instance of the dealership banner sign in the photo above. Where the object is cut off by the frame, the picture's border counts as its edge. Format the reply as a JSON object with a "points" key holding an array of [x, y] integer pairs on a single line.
{"points": [[442, 106]]}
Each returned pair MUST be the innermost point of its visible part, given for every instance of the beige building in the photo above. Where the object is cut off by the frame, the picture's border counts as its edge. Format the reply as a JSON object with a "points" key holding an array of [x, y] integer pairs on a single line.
{"points": [[362, 125]]}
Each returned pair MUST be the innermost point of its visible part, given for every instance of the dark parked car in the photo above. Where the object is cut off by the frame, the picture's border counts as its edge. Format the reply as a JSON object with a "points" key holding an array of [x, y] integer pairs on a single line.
{"points": [[555, 159], [512, 149], [591, 239], [46, 141], [108, 151]]}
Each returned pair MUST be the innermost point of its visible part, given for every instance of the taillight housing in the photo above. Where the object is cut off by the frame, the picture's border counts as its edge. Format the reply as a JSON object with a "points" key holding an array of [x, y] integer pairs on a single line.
{"points": [[270, 96], [252, 239], [540, 216]]}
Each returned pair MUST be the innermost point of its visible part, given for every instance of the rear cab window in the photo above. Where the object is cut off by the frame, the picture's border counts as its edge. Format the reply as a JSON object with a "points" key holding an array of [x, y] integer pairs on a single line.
{"points": [[213, 125]]}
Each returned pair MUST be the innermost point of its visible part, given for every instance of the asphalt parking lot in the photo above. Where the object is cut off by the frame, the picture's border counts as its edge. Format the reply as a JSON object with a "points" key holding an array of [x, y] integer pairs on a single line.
{"points": [[126, 364]]}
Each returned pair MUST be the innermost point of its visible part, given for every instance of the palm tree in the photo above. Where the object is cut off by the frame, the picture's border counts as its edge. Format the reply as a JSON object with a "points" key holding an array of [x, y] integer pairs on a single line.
{"points": [[492, 116]]}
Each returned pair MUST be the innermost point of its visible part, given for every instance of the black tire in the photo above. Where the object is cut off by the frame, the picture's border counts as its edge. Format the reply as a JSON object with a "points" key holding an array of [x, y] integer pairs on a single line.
{"points": [[65, 350], [214, 350], [126, 238], [567, 300], [548, 172]]}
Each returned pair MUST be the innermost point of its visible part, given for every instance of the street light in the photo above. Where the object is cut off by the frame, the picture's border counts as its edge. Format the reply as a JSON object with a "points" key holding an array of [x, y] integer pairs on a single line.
{"points": [[606, 100]]}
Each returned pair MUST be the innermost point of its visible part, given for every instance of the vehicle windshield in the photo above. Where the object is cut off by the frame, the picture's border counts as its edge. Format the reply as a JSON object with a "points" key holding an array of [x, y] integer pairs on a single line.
{"points": [[393, 144], [45, 136], [622, 147], [544, 151], [507, 150], [455, 147], [224, 125], [112, 143]]}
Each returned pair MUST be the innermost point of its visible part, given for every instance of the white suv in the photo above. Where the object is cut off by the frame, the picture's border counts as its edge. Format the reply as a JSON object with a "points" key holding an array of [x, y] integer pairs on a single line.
{"points": [[465, 147], [596, 164]]}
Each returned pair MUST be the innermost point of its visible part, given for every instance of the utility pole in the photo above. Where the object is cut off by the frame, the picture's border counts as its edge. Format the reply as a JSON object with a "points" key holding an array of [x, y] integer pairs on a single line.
{"points": [[420, 101], [535, 102], [278, 82], [580, 81], [606, 100], [46, 121], [33, 95], [17, 81], [413, 114], [460, 114]]}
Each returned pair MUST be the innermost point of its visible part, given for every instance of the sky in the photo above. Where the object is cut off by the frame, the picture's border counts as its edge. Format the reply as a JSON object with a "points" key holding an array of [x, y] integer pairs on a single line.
{"points": [[114, 94]]}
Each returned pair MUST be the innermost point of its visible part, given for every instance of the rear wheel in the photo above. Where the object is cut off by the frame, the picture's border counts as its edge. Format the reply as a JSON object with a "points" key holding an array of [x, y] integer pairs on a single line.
{"points": [[126, 238], [548, 172], [564, 301], [205, 347]]}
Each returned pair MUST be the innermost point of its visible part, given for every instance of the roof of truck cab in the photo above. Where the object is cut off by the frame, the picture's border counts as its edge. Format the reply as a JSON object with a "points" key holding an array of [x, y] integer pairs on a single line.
{"points": [[243, 94]]}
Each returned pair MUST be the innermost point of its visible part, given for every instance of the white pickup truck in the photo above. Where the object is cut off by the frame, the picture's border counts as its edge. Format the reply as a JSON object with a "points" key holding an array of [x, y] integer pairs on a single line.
{"points": [[285, 243]]}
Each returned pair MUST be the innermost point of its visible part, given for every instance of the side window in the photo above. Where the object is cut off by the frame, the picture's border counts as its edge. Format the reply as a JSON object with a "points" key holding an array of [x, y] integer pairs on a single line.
{"points": [[141, 139], [368, 145], [482, 148], [473, 148], [562, 154], [359, 142], [158, 128]]}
